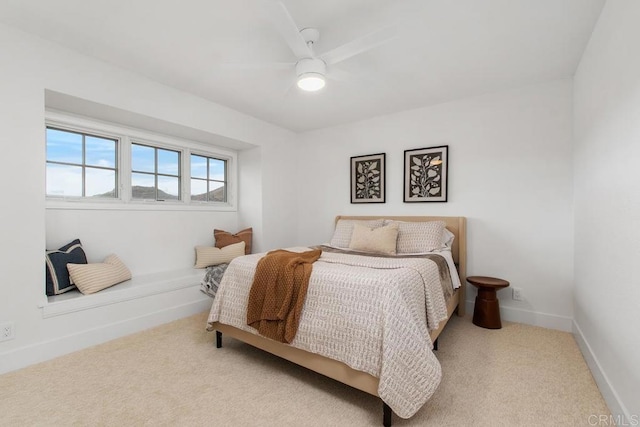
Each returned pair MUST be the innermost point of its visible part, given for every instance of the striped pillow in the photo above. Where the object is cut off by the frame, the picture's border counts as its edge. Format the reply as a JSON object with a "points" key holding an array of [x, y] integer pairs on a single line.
{"points": [[344, 228], [90, 278], [206, 255]]}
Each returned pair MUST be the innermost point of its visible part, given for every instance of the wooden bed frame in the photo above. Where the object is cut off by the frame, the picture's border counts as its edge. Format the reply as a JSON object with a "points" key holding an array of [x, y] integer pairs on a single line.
{"points": [[338, 370]]}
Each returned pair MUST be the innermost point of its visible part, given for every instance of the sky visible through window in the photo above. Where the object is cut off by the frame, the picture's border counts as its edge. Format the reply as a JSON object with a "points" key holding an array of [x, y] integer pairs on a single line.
{"points": [[64, 177], [65, 165]]}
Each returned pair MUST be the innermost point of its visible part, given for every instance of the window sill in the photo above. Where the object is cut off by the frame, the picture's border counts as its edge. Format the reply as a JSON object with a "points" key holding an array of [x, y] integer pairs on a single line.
{"points": [[137, 287], [136, 206]]}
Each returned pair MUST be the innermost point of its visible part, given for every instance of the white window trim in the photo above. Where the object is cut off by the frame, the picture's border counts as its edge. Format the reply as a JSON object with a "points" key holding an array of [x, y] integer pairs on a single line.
{"points": [[126, 136]]}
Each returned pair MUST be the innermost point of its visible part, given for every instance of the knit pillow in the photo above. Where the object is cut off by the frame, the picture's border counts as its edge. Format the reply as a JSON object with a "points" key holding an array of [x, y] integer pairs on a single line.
{"points": [[224, 238], [90, 278], [344, 228], [379, 240], [207, 255]]}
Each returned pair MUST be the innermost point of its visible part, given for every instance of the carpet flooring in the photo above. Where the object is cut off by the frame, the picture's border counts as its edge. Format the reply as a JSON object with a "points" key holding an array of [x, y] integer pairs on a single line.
{"points": [[173, 375]]}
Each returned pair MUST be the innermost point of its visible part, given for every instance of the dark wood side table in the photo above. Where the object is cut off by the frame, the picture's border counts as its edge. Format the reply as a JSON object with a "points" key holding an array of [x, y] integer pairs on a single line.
{"points": [[486, 312]]}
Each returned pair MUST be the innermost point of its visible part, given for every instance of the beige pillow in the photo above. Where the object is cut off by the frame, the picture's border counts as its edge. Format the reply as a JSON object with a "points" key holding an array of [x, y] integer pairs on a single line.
{"points": [[419, 237], [90, 278], [380, 240], [344, 228], [207, 255]]}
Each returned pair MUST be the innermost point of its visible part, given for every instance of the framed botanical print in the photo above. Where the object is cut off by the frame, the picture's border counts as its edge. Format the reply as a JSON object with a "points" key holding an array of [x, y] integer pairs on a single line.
{"points": [[426, 171], [368, 178]]}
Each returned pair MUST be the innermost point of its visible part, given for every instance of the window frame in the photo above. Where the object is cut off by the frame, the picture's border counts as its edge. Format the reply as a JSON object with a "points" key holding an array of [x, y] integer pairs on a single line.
{"points": [[126, 136], [157, 174], [84, 164], [207, 179]]}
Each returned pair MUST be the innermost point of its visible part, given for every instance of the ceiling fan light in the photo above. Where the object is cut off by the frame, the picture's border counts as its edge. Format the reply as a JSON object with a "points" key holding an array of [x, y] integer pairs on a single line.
{"points": [[311, 82]]}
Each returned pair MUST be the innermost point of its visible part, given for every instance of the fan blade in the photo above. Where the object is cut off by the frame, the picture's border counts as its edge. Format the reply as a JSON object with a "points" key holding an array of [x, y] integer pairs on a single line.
{"points": [[360, 45], [288, 29], [257, 66]]}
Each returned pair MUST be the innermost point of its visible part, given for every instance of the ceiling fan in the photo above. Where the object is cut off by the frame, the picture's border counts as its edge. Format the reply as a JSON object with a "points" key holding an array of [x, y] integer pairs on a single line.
{"points": [[311, 69]]}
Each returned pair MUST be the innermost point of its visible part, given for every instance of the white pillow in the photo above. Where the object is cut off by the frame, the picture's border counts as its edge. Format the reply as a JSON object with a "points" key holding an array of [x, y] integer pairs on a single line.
{"points": [[207, 255], [419, 237], [380, 240], [344, 228], [90, 278], [447, 239]]}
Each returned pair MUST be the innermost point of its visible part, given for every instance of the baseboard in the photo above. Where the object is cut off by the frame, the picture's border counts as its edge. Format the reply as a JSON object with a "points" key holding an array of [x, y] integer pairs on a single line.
{"points": [[40, 352], [617, 408], [544, 320]]}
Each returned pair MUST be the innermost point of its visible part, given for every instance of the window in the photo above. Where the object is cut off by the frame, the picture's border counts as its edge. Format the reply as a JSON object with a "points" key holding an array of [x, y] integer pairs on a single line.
{"points": [[101, 165], [208, 179], [81, 165], [155, 173]]}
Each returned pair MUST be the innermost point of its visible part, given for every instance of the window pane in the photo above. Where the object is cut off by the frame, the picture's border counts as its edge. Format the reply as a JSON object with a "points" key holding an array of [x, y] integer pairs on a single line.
{"points": [[168, 188], [143, 186], [216, 191], [100, 152], [198, 167], [143, 158], [168, 162], [64, 180], [216, 169], [199, 190], [100, 183], [64, 146]]}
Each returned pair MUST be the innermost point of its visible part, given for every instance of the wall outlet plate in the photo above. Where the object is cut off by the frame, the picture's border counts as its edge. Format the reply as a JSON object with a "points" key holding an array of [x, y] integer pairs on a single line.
{"points": [[7, 331], [517, 294]]}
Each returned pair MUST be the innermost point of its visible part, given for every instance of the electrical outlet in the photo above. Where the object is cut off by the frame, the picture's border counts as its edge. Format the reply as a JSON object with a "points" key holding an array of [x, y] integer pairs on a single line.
{"points": [[7, 331], [517, 294]]}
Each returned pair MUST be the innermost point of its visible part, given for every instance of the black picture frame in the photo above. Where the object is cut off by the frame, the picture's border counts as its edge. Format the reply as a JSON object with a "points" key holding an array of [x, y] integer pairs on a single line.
{"points": [[426, 174], [368, 184]]}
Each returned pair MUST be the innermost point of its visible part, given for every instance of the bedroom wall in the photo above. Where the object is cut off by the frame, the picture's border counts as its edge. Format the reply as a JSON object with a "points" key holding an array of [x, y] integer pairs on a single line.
{"points": [[510, 175], [607, 208], [28, 66]]}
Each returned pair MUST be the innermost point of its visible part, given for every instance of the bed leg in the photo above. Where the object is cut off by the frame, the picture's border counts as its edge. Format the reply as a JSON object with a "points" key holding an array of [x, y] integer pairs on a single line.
{"points": [[435, 345], [218, 339], [386, 415]]}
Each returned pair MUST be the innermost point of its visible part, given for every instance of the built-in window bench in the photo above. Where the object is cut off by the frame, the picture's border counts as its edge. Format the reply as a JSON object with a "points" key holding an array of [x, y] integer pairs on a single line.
{"points": [[137, 287]]}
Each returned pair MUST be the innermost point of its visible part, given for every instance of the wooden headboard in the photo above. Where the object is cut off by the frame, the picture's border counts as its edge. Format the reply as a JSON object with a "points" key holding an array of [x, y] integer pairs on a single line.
{"points": [[455, 224]]}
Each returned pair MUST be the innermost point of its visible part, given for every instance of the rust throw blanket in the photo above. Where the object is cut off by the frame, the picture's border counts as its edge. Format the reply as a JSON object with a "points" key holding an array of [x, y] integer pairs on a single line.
{"points": [[278, 292]]}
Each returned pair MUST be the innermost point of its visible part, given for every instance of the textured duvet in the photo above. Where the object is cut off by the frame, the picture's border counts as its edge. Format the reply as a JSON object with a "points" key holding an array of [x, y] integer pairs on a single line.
{"points": [[373, 314]]}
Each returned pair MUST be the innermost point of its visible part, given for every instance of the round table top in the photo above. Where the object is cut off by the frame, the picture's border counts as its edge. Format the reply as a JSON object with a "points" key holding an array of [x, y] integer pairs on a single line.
{"points": [[487, 282]]}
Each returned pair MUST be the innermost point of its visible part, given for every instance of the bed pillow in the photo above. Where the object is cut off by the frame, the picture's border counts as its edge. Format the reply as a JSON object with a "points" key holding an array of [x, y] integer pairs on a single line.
{"points": [[224, 238], [447, 239], [207, 255], [58, 280], [342, 234], [379, 240], [419, 237], [90, 278]]}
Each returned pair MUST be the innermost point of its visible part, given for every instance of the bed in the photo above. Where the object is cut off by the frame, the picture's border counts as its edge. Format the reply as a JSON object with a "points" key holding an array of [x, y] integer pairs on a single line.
{"points": [[349, 370]]}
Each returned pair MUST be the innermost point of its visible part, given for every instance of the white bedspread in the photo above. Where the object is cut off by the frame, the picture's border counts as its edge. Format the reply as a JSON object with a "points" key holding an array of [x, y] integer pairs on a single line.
{"points": [[364, 311]]}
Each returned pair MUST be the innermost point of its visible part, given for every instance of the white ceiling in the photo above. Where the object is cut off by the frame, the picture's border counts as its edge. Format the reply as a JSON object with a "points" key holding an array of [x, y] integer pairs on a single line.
{"points": [[445, 49]]}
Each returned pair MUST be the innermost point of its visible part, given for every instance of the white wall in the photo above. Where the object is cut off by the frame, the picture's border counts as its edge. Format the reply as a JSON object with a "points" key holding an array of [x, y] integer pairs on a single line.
{"points": [[510, 175], [29, 66], [607, 206]]}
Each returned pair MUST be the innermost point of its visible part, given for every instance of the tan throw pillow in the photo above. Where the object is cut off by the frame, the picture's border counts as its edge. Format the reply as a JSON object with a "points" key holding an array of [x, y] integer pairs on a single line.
{"points": [[224, 238], [90, 278], [419, 237], [380, 240], [207, 255], [344, 228]]}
